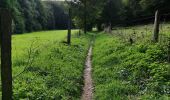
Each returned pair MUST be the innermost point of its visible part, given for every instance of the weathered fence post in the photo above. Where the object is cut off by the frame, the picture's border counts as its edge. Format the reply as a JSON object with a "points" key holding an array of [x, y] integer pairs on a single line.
{"points": [[156, 27], [79, 32], [6, 69], [69, 28], [168, 50]]}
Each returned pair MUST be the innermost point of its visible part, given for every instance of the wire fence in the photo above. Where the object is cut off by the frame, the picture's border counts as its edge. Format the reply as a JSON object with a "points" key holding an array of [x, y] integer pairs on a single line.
{"points": [[144, 34]]}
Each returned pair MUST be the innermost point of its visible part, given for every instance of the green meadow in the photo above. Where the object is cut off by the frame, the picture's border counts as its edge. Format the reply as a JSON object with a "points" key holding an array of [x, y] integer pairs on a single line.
{"points": [[135, 69], [44, 67]]}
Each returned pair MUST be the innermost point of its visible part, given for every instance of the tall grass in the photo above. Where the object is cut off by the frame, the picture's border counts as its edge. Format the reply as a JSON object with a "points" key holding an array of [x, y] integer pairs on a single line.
{"points": [[125, 71], [44, 68]]}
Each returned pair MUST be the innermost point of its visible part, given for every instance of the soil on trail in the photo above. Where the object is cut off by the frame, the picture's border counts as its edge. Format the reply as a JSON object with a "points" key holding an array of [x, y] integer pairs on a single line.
{"points": [[88, 85]]}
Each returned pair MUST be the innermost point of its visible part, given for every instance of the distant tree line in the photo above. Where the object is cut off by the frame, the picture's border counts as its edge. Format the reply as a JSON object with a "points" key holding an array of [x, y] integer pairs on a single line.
{"points": [[120, 12], [130, 12], [35, 15]]}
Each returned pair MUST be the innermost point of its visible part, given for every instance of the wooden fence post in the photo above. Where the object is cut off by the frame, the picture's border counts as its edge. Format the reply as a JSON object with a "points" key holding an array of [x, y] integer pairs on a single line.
{"points": [[69, 28], [156, 27], [168, 50], [6, 69]]}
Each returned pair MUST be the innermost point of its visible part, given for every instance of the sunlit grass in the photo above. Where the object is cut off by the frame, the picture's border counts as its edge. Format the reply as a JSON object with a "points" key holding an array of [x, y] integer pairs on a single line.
{"points": [[20, 43], [125, 71]]}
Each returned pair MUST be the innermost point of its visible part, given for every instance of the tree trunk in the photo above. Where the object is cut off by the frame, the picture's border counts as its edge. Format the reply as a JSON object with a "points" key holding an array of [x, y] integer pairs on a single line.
{"points": [[156, 27], [6, 69], [99, 27], [85, 17], [110, 28], [69, 28]]}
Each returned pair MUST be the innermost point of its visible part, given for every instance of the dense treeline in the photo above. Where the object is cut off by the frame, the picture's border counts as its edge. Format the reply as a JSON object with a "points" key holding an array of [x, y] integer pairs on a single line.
{"points": [[35, 15], [131, 12], [121, 12]]}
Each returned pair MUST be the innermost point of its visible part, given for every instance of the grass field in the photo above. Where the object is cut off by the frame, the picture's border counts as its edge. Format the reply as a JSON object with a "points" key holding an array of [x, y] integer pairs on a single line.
{"points": [[20, 43], [46, 68], [125, 71], [26, 44], [142, 32]]}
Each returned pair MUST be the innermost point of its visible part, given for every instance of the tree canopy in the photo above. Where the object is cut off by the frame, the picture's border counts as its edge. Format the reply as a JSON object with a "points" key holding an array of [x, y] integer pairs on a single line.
{"points": [[34, 15]]}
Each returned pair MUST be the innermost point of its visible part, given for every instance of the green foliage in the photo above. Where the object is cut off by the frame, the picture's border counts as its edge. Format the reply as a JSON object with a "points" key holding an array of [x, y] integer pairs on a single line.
{"points": [[36, 15], [92, 11], [142, 66], [114, 90], [44, 68], [57, 16], [131, 12]]}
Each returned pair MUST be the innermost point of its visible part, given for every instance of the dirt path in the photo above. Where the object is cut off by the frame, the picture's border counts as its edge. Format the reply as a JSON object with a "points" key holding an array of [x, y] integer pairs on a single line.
{"points": [[88, 86]]}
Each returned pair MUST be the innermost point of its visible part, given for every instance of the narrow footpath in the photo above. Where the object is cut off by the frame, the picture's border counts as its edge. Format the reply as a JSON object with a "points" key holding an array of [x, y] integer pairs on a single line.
{"points": [[88, 84]]}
